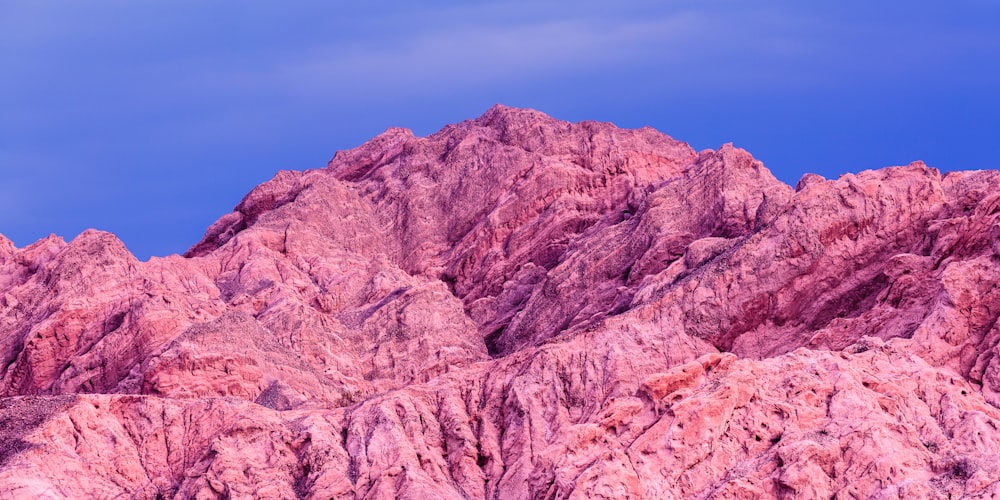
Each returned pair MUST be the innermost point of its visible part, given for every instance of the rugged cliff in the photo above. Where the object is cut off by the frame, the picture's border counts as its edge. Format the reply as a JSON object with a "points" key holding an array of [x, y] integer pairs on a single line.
{"points": [[520, 307]]}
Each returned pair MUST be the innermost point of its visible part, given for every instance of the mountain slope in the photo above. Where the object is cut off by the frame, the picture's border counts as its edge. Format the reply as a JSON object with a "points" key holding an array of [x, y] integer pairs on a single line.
{"points": [[516, 307]]}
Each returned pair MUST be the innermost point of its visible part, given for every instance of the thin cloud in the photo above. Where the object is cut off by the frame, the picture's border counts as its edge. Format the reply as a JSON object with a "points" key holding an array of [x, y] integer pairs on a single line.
{"points": [[484, 54], [503, 54], [698, 47]]}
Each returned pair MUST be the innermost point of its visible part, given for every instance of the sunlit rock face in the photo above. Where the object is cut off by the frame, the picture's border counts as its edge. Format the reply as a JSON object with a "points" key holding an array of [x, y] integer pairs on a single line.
{"points": [[520, 307]]}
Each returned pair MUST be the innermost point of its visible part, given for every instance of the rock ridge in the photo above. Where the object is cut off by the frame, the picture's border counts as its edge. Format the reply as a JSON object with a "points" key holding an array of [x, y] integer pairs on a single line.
{"points": [[516, 307]]}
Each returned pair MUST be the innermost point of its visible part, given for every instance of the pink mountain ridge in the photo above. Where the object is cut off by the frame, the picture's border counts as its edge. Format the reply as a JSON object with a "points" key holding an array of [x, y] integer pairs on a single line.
{"points": [[520, 307]]}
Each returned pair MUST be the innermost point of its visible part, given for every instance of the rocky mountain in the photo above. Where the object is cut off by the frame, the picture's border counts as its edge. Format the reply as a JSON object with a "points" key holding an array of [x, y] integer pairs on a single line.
{"points": [[521, 307]]}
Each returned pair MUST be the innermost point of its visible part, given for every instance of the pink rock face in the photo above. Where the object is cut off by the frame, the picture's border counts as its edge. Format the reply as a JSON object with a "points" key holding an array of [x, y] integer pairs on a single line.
{"points": [[519, 307]]}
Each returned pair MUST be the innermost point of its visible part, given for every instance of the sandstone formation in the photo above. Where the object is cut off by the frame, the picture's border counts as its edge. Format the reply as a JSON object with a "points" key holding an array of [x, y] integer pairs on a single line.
{"points": [[520, 307]]}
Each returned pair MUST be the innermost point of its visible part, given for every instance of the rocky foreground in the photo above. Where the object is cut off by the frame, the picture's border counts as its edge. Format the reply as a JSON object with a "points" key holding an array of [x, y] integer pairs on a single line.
{"points": [[520, 307]]}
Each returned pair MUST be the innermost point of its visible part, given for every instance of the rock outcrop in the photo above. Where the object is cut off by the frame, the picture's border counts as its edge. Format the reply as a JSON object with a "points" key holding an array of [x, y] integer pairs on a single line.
{"points": [[520, 307]]}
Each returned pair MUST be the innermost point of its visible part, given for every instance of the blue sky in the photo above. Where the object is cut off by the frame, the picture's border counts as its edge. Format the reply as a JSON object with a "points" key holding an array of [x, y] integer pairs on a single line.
{"points": [[151, 119]]}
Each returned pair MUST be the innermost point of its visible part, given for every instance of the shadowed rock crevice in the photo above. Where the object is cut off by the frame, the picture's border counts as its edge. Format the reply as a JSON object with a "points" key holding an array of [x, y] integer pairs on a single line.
{"points": [[19, 416]]}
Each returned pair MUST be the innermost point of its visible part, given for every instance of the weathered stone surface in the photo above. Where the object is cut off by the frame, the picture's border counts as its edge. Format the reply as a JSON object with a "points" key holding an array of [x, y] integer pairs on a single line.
{"points": [[519, 307]]}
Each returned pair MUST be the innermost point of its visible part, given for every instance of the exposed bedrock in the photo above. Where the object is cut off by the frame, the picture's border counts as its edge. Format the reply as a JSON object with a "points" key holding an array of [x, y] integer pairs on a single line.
{"points": [[520, 307]]}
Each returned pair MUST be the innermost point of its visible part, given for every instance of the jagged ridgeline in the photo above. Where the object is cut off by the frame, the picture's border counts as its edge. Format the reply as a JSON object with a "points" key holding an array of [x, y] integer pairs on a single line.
{"points": [[521, 307]]}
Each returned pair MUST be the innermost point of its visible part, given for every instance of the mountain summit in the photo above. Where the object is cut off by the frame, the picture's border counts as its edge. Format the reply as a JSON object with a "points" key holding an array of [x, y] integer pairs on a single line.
{"points": [[520, 307]]}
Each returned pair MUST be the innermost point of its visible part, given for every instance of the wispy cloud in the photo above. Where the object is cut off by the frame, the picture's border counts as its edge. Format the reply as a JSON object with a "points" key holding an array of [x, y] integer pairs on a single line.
{"points": [[470, 55], [683, 47]]}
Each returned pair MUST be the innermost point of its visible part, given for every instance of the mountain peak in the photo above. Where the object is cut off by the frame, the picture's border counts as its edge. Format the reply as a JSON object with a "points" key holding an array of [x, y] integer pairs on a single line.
{"points": [[501, 114], [452, 316]]}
